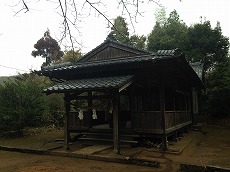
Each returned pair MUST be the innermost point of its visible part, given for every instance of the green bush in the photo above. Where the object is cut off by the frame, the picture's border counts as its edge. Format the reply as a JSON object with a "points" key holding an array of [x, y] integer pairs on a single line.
{"points": [[55, 110], [21, 105]]}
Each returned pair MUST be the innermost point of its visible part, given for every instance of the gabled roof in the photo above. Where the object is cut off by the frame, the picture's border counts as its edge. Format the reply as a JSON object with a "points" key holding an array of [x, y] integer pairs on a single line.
{"points": [[109, 46]]}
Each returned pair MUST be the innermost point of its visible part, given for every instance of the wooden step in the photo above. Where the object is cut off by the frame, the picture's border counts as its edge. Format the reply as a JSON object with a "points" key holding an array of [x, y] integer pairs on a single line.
{"points": [[107, 140], [110, 134]]}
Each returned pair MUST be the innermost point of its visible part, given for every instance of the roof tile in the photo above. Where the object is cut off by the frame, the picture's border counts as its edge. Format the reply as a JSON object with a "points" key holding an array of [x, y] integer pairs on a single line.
{"points": [[90, 83]]}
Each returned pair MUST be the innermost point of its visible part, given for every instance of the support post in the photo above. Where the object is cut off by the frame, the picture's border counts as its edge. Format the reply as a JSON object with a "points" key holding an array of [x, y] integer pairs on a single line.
{"points": [[67, 110], [116, 128], [90, 104], [195, 109], [162, 109]]}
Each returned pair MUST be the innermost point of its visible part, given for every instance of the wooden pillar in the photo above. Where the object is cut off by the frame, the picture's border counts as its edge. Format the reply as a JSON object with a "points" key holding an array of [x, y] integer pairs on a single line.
{"points": [[67, 110], [186, 106], [90, 104], [132, 109], [162, 109], [116, 128], [174, 108], [195, 109]]}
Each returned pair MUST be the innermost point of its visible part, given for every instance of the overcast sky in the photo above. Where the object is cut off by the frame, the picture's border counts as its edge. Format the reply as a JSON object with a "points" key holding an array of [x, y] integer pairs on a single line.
{"points": [[19, 33]]}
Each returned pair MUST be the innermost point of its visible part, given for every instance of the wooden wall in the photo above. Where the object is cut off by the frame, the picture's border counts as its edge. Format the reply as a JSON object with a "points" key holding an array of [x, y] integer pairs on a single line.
{"points": [[152, 120]]}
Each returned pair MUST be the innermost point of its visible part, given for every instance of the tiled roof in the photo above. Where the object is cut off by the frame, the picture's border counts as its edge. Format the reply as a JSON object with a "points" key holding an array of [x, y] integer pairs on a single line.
{"points": [[78, 65], [91, 83], [163, 54]]}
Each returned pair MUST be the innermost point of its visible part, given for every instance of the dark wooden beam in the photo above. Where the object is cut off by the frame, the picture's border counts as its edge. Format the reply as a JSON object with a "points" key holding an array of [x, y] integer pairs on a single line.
{"points": [[74, 95], [93, 97], [67, 110], [90, 104], [162, 109], [116, 129]]}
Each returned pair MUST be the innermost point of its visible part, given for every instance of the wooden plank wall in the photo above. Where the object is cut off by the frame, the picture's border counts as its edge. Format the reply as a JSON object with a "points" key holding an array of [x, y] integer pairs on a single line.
{"points": [[148, 120]]}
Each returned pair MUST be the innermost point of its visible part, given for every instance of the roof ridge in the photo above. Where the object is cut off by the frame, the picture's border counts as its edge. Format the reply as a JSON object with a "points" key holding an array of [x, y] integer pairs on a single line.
{"points": [[170, 52]]}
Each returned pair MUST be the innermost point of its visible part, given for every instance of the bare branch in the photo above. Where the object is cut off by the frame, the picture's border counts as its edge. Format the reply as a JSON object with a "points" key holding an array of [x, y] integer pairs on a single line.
{"points": [[91, 4], [129, 14], [72, 14], [65, 22], [23, 8], [26, 7]]}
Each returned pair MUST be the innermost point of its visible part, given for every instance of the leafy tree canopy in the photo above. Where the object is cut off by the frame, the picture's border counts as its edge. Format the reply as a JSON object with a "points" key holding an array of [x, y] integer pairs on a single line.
{"points": [[71, 55], [138, 41], [47, 48], [168, 33], [206, 45], [121, 33], [160, 15], [200, 42], [120, 30]]}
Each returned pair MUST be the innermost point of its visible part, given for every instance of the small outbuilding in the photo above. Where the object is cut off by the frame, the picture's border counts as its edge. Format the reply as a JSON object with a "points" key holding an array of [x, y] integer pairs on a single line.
{"points": [[125, 91]]}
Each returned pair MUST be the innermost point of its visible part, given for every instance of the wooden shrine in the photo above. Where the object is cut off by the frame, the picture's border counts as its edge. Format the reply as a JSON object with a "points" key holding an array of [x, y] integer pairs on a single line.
{"points": [[119, 89]]}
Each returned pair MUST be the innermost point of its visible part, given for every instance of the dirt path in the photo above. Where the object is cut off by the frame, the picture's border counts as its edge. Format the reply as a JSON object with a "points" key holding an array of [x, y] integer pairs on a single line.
{"points": [[21, 162], [209, 148]]}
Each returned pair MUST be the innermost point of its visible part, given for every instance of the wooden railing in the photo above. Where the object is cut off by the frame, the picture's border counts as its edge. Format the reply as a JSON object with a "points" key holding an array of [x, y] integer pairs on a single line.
{"points": [[174, 118]]}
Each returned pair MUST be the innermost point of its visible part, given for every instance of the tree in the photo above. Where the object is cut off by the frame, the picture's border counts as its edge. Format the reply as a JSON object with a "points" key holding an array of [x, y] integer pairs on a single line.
{"points": [[47, 48], [206, 45], [160, 16], [71, 55], [200, 42], [218, 90], [155, 38], [120, 30], [121, 33], [169, 34], [138, 41]]}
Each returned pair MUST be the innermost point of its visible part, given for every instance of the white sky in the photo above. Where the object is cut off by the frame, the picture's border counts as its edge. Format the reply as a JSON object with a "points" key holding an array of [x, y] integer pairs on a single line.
{"points": [[19, 33]]}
